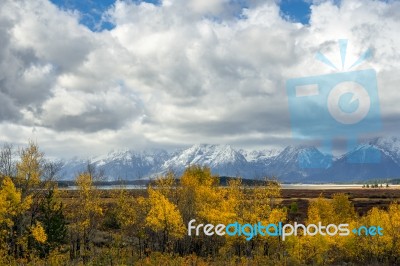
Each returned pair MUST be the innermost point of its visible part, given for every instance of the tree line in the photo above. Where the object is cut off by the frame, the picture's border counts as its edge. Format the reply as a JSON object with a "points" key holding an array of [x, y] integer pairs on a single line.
{"points": [[43, 225]]}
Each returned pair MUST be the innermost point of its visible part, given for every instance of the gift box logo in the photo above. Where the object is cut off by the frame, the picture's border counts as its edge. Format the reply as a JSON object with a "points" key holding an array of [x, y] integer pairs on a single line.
{"points": [[342, 104]]}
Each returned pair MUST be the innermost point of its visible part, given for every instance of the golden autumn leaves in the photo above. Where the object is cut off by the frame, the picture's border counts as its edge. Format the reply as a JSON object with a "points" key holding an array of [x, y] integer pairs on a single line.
{"points": [[11, 204], [172, 202], [141, 224], [15, 202]]}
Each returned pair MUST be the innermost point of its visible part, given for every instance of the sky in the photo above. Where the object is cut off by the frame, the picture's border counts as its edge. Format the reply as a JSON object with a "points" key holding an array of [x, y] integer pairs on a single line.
{"points": [[84, 77]]}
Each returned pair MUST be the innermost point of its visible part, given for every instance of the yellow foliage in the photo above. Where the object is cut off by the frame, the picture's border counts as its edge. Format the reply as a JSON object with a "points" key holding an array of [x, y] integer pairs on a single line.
{"points": [[163, 215], [87, 205], [89, 199], [338, 210], [131, 211], [201, 198], [389, 220], [125, 210], [261, 204], [325, 249], [277, 215], [11, 202], [321, 210], [39, 233], [195, 176], [343, 209], [29, 169]]}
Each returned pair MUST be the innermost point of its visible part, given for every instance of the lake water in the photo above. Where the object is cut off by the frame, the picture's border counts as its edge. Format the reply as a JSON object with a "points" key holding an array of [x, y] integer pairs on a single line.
{"points": [[284, 186], [321, 186]]}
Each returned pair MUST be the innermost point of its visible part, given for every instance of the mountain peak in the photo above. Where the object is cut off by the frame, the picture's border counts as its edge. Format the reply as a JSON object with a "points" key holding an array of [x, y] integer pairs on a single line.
{"points": [[293, 163], [258, 155], [205, 154]]}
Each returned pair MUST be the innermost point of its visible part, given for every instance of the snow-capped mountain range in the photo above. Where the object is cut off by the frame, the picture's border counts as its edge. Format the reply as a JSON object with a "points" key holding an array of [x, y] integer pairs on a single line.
{"points": [[286, 165]]}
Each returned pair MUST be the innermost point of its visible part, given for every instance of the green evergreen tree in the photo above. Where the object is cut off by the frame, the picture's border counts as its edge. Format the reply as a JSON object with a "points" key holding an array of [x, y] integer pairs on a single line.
{"points": [[53, 220]]}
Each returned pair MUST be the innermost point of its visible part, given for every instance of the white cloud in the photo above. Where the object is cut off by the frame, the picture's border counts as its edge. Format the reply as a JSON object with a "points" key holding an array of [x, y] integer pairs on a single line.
{"points": [[176, 74]]}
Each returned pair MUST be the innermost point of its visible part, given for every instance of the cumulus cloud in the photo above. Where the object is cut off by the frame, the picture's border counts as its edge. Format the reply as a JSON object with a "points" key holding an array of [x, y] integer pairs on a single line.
{"points": [[177, 73]]}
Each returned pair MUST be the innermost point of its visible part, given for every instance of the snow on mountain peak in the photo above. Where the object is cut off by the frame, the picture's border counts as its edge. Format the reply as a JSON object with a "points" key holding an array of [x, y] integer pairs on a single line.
{"points": [[225, 160], [257, 155], [205, 154], [391, 144]]}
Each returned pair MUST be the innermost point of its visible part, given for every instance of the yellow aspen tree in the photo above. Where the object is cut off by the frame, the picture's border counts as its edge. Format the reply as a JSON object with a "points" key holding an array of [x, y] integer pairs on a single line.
{"points": [[12, 206], [164, 217], [384, 247], [86, 215], [315, 248], [344, 213], [131, 213], [393, 229], [29, 169], [327, 249], [235, 201], [235, 198], [11, 202], [28, 179], [262, 207], [28, 176], [343, 208], [125, 211], [320, 210], [201, 198], [376, 246]]}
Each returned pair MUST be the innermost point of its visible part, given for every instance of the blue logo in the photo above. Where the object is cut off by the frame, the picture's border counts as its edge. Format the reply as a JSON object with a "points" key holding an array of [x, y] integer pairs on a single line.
{"points": [[342, 104], [249, 231], [368, 231]]}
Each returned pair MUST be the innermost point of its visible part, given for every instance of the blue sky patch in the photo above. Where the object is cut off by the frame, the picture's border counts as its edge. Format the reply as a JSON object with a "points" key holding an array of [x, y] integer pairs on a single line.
{"points": [[296, 10], [92, 11]]}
